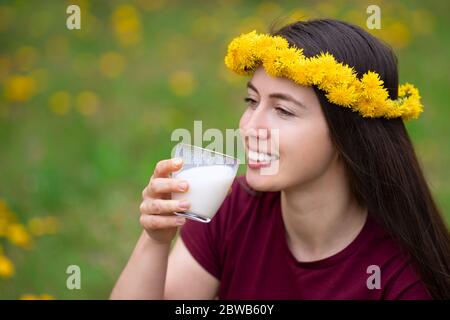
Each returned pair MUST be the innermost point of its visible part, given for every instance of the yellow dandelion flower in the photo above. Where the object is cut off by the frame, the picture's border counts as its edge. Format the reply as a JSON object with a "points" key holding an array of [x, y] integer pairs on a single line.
{"points": [[371, 80], [299, 73], [342, 95], [340, 83], [241, 53], [318, 68], [366, 108]]}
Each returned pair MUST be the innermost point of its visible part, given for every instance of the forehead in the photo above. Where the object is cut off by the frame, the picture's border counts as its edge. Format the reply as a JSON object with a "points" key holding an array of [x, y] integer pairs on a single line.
{"points": [[268, 84]]}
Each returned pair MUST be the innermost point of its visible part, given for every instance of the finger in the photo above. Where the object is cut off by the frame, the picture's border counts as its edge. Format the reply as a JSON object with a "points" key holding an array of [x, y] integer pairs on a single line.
{"points": [[167, 185], [161, 222], [165, 167], [160, 206]]}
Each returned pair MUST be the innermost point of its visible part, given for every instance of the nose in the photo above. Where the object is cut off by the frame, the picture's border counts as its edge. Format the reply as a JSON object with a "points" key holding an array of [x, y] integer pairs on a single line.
{"points": [[256, 127]]}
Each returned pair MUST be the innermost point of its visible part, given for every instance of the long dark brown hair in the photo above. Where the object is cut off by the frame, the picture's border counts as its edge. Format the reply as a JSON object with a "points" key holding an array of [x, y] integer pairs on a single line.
{"points": [[385, 175]]}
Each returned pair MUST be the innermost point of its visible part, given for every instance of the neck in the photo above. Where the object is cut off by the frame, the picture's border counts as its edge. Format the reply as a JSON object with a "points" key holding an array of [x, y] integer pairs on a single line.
{"points": [[321, 217]]}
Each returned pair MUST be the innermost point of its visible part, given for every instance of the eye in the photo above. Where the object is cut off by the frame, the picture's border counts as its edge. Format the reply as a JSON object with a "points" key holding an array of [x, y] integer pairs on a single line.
{"points": [[252, 103], [284, 112]]}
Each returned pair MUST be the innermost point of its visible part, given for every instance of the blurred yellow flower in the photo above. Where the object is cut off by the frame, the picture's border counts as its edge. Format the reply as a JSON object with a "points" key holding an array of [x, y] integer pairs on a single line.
{"points": [[19, 88], [87, 103], [182, 83], [18, 235], [60, 102], [26, 57], [112, 64], [42, 226], [44, 296], [6, 267], [127, 25], [397, 34]]}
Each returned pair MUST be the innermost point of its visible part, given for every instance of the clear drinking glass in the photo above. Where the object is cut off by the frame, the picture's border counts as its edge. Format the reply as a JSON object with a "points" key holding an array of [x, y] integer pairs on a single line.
{"points": [[209, 174]]}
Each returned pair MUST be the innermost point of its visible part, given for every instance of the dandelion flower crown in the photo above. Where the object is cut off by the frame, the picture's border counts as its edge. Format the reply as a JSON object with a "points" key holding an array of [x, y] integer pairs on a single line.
{"points": [[340, 83]]}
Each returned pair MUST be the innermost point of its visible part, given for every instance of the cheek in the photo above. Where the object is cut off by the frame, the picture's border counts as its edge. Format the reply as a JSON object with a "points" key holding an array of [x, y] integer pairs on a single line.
{"points": [[244, 119], [306, 151]]}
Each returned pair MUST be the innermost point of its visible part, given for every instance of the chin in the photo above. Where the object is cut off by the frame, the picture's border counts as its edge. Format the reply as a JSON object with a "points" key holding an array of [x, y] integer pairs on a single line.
{"points": [[262, 183]]}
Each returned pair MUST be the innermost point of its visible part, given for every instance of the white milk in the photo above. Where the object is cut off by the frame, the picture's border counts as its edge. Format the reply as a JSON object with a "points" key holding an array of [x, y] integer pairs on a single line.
{"points": [[208, 187]]}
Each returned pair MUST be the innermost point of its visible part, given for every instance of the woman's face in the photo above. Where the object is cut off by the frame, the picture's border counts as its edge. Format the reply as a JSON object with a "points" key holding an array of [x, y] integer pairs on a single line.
{"points": [[302, 153]]}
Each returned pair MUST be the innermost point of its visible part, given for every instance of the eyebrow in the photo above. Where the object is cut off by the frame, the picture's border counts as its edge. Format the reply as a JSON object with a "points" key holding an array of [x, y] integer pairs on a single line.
{"points": [[281, 96]]}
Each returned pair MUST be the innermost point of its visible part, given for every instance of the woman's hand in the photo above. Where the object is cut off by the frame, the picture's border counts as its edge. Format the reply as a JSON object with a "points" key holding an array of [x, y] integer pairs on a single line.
{"points": [[157, 208]]}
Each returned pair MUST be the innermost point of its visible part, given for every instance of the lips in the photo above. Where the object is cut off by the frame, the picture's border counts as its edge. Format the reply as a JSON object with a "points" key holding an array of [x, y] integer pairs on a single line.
{"points": [[259, 157], [256, 157]]}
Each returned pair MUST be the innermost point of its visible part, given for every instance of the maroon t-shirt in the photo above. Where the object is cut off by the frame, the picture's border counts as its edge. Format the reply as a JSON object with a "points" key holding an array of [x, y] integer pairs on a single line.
{"points": [[245, 248]]}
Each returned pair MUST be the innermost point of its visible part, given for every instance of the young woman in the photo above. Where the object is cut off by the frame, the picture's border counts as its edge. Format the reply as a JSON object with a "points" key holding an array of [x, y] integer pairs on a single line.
{"points": [[348, 214]]}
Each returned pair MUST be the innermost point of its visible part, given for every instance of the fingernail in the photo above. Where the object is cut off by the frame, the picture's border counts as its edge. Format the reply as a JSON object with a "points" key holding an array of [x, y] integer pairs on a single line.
{"points": [[180, 220], [177, 161], [184, 204], [182, 186]]}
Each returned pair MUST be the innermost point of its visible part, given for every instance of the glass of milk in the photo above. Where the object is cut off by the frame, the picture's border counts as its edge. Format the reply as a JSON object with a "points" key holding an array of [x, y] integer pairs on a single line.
{"points": [[209, 174]]}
